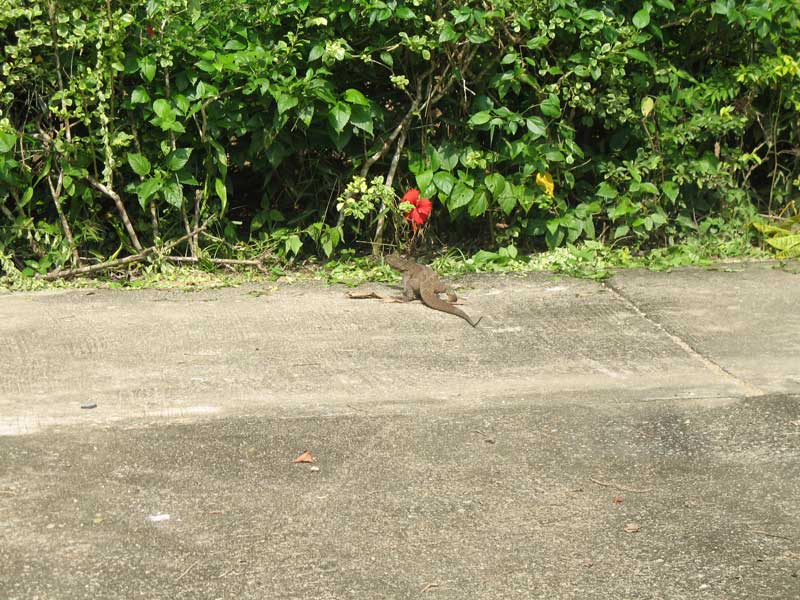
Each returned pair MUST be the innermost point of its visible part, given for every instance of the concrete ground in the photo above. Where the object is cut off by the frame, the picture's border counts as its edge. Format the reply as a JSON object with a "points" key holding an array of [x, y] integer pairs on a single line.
{"points": [[638, 438]]}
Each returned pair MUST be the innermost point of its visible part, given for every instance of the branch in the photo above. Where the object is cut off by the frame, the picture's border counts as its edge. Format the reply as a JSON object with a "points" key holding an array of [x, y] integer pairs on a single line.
{"points": [[377, 244], [397, 130], [120, 208], [110, 264]]}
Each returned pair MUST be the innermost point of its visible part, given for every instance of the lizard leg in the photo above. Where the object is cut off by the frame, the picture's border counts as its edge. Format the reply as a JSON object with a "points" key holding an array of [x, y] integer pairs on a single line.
{"points": [[408, 290], [443, 288]]}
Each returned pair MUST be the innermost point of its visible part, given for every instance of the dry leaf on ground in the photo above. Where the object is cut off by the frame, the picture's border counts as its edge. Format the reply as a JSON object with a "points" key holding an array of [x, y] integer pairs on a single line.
{"points": [[362, 295], [305, 457]]}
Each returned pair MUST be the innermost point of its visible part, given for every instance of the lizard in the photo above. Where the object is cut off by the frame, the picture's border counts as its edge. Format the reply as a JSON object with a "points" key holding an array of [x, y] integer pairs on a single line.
{"points": [[420, 281]]}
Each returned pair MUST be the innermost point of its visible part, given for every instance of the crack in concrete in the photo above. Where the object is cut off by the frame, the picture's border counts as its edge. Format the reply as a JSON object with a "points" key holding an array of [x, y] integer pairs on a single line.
{"points": [[708, 363]]}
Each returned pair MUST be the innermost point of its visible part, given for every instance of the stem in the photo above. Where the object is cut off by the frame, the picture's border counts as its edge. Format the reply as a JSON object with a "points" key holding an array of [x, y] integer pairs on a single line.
{"points": [[55, 191], [152, 200], [51, 9], [377, 245]]}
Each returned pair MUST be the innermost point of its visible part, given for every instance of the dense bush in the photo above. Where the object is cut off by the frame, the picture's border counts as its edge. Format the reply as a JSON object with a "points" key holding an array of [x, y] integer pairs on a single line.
{"points": [[299, 123]]}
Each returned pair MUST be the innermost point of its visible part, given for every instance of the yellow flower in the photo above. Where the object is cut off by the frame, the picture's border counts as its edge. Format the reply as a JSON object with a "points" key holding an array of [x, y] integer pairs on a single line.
{"points": [[545, 181]]}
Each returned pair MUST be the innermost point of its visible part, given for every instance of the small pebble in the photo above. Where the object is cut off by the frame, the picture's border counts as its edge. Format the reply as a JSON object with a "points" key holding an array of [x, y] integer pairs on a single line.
{"points": [[89, 405]]}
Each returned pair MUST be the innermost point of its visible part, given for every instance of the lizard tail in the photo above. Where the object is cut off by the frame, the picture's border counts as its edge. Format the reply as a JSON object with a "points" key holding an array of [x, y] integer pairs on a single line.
{"points": [[432, 300]]}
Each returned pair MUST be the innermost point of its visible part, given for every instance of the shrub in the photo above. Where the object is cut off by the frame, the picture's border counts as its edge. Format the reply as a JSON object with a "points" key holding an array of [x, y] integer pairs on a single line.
{"points": [[530, 123]]}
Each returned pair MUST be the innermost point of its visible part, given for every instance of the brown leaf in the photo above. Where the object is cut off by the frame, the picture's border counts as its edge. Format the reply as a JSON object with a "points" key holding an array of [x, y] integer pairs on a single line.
{"points": [[618, 499], [305, 457], [362, 295], [632, 527]]}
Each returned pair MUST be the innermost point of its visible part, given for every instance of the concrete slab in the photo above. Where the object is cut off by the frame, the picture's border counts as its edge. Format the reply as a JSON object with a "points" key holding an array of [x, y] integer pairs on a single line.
{"points": [[740, 317], [585, 441]]}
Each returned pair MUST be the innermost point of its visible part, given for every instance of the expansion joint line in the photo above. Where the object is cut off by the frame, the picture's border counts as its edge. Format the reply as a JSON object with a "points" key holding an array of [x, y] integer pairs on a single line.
{"points": [[749, 389]]}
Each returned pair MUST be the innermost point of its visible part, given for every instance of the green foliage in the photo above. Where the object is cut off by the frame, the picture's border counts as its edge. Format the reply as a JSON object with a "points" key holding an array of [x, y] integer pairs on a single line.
{"points": [[782, 234], [535, 123]]}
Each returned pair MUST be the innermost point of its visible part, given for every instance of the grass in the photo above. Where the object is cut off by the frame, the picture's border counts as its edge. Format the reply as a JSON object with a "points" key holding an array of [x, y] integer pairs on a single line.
{"points": [[589, 259]]}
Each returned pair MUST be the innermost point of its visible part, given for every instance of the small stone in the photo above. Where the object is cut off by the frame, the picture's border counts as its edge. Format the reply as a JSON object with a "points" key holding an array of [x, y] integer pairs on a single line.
{"points": [[89, 405]]}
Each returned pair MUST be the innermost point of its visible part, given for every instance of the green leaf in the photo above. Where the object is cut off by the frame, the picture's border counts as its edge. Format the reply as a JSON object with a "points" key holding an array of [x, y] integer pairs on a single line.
{"points": [[163, 110], [222, 193], [496, 184], [554, 156], [316, 52], [480, 118], [444, 182], [139, 164], [461, 196], [403, 12], [293, 244], [178, 158], [648, 188], [637, 54], [8, 139], [591, 15], [551, 107], [339, 115], [665, 4], [140, 96], [181, 103], [361, 117], [449, 156], [648, 104], [536, 126], [479, 204], [642, 18], [306, 113], [146, 189], [353, 96], [670, 189], [784, 242], [525, 197], [286, 102], [26, 197], [424, 181], [173, 194], [606, 191], [506, 200], [621, 231], [147, 67]]}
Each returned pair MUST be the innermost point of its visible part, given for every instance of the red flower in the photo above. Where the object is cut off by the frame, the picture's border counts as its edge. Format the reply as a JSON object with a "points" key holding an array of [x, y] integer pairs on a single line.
{"points": [[422, 208]]}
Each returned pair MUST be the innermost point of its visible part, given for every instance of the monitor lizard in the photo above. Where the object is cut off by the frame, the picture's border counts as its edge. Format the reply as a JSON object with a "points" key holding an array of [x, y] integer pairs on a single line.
{"points": [[420, 281]]}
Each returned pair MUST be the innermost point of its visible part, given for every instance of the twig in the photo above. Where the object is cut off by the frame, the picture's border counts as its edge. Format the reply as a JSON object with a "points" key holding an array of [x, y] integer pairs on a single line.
{"points": [[429, 587], [619, 487], [218, 261], [772, 535], [58, 274], [191, 566]]}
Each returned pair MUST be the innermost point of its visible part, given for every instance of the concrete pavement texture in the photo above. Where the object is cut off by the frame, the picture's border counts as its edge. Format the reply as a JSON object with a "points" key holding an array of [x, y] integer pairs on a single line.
{"points": [[635, 438]]}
